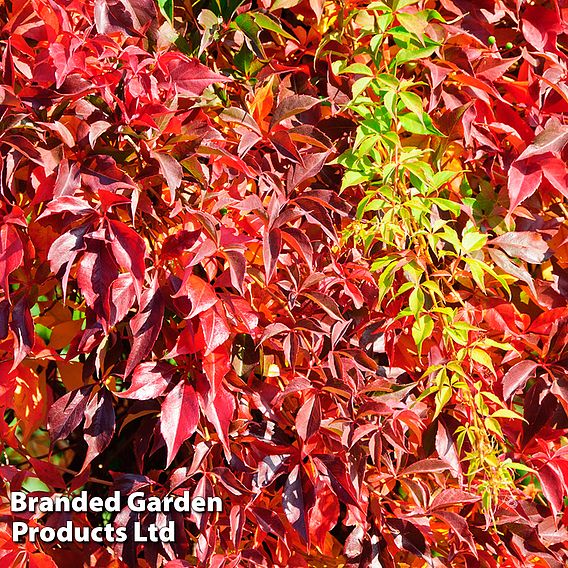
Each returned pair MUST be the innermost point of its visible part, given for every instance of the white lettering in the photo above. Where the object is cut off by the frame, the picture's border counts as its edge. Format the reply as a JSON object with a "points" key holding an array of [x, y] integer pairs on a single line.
{"points": [[18, 502], [19, 529], [112, 504], [198, 505], [96, 505], [136, 502]]}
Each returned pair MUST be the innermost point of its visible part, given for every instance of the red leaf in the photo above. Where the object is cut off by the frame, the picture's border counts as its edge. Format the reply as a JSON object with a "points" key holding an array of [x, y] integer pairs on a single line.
{"points": [[188, 76], [308, 419], [555, 171], [149, 380], [216, 366], [179, 418], [215, 328], [201, 294], [524, 179], [171, 171], [176, 244], [130, 251], [517, 376], [323, 515], [540, 27], [146, 325], [48, 473], [544, 322], [99, 425], [220, 413]]}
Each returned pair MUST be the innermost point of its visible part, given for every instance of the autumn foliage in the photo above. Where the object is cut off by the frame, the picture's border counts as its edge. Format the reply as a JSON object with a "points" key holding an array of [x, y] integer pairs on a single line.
{"points": [[310, 256]]}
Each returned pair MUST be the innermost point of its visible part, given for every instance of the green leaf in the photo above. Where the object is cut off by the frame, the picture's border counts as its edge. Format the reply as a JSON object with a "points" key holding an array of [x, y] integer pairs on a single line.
{"points": [[422, 329], [416, 301], [412, 102], [269, 24], [411, 54], [251, 29], [167, 9], [358, 69], [360, 85], [506, 413], [473, 241], [414, 23]]}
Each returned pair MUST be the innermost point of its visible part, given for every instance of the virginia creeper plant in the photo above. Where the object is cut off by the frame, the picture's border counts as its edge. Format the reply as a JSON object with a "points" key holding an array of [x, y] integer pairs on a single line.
{"points": [[309, 256]]}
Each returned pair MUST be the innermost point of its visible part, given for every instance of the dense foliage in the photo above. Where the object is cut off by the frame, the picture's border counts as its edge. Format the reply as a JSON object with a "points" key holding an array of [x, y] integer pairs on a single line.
{"points": [[306, 255]]}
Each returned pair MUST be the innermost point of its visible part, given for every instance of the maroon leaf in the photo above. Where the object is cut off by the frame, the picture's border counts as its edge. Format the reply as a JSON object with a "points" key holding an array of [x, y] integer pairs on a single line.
{"points": [[99, 425], [269, 521], [429, 465], [292, 105], [149, 380], [95, 275], [4, 316], [146, 325], [179, 418], [446, 447], [517, 376], [67, 413], [341, 484], [526, 245], [509, 267], [293, 502], [272, 246], [64, 251], [552, 487], [11, 254], [121, 298], [451, 497], [299, 242], [459, 526], [23, 327], [130, 16]]}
